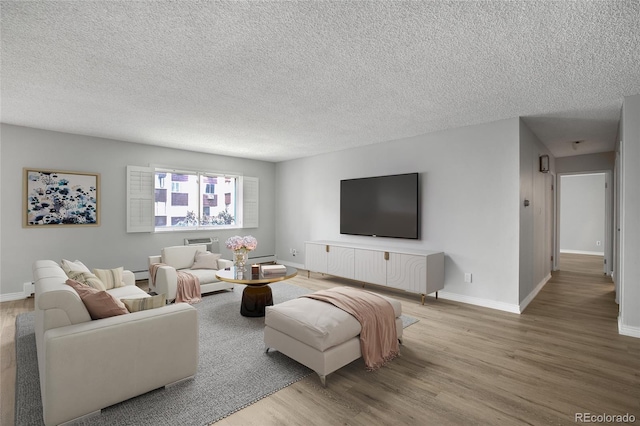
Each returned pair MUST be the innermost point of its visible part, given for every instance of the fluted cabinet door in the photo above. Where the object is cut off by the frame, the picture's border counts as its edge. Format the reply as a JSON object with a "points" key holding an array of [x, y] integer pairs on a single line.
{"points": [[340, 262], [315, 258], [407, 272], [371, 267]]}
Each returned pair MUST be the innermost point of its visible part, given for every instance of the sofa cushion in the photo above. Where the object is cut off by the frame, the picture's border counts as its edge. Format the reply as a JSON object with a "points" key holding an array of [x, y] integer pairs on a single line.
{"points": [[87, 278], [100, 304], [317, 324], [206, 260], [181, 257], [144, 303], [69, 266], [205, 276], [111, 278], [127, 292]]}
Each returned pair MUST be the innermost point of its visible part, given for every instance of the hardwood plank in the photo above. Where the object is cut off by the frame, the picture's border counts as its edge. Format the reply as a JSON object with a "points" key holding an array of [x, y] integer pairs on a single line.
{"points": [[460, 364]]}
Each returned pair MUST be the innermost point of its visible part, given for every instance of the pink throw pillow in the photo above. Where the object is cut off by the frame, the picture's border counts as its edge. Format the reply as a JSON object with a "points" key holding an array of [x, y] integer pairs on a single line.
{"points": [[99, 303]]}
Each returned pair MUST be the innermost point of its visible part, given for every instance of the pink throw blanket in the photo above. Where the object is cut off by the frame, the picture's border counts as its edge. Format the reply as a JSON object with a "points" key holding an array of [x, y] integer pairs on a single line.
{"points": [[188, 288], [188, 284], [379, 337]]}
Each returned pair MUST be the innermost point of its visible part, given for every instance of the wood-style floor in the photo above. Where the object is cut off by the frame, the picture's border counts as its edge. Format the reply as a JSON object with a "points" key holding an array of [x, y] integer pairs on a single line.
{"points": [[460, 364]]}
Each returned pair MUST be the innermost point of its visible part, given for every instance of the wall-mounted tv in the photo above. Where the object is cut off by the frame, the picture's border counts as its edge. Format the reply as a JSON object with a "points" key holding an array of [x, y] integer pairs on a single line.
{"points": [[381, 206]]}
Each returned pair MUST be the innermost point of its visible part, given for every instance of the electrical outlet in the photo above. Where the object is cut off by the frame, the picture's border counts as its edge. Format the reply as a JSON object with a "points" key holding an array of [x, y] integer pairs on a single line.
{"points": [[294, 252], [467, 277]]}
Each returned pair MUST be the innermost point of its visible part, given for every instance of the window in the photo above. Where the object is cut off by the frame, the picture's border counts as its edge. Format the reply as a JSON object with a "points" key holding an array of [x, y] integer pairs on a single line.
{"points": [[170, 200], [194, 200]]}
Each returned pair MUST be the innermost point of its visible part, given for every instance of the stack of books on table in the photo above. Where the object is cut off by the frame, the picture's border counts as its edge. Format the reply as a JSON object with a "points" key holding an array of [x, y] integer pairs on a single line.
{"points": [[268, 270]]}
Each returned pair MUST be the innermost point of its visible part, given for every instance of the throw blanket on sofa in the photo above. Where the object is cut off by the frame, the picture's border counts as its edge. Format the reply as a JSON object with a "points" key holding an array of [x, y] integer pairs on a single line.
{"points": [[379, 337], [188, 289]]}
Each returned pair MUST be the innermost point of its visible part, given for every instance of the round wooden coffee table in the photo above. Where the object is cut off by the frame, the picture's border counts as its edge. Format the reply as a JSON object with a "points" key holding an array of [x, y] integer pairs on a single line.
{"points": [[257, 293]]}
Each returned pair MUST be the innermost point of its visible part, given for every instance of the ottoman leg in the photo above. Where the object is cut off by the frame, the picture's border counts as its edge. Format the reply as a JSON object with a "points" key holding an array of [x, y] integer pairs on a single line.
{"points": [[254, 300], [323, 380]]}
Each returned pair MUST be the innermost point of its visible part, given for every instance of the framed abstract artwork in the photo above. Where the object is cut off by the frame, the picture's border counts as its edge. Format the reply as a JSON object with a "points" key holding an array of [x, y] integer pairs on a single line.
{"points": [[60, 198]]}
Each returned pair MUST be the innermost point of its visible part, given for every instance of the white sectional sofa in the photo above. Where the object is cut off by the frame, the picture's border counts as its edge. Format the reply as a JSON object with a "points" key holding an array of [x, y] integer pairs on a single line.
{"points": [[176, 258], [86, 365]]}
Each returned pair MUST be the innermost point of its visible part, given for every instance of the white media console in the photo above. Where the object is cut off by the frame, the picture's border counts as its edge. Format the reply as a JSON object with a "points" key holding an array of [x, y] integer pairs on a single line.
{"points": [[415, 271]]}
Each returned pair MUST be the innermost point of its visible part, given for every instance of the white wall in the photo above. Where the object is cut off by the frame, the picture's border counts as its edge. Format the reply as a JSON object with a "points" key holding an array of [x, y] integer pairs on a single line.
{"points": [[470, 198], [107, 245], [629, 319], [582, 213], [586, 163], [536, 220]]}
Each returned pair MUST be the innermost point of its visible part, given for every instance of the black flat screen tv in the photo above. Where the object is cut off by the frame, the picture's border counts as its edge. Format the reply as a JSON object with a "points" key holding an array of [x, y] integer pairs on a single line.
{"points": [[381, 206]]}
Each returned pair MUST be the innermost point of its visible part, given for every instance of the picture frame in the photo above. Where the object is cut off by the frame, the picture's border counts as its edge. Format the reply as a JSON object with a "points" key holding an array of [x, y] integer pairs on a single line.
{"points": [[57, 198]]}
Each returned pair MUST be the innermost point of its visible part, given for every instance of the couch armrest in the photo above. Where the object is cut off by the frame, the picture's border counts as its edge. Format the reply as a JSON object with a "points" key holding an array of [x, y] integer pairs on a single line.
{"points": [[128, 278], [224, 263], [122, 357], [166, 282]]}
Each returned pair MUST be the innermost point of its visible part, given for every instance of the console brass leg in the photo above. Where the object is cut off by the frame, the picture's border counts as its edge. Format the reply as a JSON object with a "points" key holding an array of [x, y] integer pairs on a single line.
{"points": [[422, 299]]}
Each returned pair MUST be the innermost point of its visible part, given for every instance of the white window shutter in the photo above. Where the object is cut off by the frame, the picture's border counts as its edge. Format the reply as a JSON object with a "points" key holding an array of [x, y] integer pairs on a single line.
{"points": [[140, 199], [250, 198]]}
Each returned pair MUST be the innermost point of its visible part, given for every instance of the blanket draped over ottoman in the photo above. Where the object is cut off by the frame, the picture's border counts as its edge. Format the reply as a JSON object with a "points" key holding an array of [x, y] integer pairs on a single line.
{"points": [[378, 338]]}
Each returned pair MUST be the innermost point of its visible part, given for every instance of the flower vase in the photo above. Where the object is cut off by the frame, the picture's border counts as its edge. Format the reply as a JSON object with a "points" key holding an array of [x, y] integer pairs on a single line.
{"points": [[240, 259]]}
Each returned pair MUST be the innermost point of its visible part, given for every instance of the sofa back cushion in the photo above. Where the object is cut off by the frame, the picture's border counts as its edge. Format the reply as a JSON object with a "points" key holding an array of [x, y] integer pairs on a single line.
{"points": [[181, 257]]}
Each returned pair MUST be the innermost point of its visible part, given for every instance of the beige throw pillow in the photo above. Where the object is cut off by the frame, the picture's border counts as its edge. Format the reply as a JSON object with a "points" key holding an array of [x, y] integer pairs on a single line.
{"points": [[144, 303], [111, 278], [206, 260], [75, 266], [100, 304], [87, 278]]}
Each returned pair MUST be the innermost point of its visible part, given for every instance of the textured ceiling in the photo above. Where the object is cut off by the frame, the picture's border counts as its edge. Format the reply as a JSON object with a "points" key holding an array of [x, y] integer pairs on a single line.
{"points": [[283, 80]]}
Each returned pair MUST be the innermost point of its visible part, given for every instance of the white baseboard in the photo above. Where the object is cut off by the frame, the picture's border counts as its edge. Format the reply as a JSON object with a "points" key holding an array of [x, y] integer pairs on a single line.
{"points": [[292, 264], [27, 290], [626, 330], [262, 259], [593, 253], [534, 293], [486, 303], [141, 275]]}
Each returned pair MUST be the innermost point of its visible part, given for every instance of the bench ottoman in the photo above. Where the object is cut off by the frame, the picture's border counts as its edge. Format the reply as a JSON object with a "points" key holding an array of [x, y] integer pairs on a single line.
{"points": [[317, 334]]}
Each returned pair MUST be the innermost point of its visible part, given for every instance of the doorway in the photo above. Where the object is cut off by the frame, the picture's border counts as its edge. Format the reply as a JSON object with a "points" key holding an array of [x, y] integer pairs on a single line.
{"points": [[584, 243]]}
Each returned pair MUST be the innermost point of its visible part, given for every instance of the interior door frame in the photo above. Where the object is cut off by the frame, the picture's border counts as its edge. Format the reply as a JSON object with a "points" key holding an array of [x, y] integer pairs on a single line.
{"points": [[608, 218]]}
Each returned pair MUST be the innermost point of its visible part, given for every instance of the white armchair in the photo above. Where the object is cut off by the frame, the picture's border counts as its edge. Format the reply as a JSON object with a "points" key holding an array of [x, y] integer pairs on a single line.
{"points": [[177, 258]]}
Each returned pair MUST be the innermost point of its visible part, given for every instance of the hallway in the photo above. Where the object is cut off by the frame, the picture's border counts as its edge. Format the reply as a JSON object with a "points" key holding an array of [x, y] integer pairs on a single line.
{"points": [[581, 263]]}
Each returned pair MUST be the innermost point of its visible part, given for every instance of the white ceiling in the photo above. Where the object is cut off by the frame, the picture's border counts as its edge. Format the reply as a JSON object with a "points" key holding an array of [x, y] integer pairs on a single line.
{"points": [[283, 80]]}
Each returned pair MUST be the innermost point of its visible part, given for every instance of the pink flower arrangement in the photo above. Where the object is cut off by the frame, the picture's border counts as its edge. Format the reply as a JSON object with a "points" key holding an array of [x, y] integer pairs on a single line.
{"points": [[237, 242]]}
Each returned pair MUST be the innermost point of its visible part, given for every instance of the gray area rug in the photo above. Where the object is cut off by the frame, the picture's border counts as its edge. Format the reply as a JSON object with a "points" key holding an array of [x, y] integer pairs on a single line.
{"points": [[233, 370]]}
